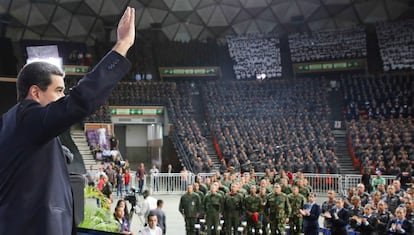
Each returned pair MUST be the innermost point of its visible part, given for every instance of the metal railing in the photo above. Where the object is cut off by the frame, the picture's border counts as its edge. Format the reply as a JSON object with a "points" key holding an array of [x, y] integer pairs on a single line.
{"points": [[176, 183]]}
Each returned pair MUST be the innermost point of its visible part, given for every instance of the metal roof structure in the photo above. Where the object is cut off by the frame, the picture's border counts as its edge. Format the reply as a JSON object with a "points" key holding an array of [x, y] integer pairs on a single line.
{"points": [[184, 20]]}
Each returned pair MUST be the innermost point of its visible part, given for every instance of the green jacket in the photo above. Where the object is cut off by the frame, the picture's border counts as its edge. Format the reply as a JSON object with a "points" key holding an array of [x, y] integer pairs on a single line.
{"points": [[213, 203], [278, 205], [252, 204], [189, 205], [296, 203], [233, 203]]}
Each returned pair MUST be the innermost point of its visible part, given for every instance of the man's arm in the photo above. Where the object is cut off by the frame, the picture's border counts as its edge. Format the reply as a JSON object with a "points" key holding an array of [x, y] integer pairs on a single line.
{"points": [[92, 90]]}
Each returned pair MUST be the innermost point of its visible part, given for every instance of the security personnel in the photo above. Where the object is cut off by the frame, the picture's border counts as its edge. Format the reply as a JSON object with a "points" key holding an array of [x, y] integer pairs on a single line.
{"points": [[279, 210], [213, 206], [297, 201], [253, 207], [189, 207], [233, 206]]}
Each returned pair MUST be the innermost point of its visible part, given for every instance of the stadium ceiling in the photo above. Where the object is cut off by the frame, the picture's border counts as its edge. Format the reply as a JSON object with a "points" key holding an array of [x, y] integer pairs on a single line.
{"points": [[88, 20]]}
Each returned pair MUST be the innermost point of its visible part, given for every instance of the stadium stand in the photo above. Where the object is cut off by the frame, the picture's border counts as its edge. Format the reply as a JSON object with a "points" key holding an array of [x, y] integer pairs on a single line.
{"points": [[255, 54], [331, 44], [396, 40]]}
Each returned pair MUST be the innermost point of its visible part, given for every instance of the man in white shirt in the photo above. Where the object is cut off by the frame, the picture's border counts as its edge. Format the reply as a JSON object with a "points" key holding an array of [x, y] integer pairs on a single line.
{"points": [[154, 174], [149, 203], [151, 228]]}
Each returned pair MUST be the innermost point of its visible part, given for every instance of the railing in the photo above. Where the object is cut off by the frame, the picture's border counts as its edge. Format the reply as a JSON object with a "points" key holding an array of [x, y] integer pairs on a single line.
{"points": [[176, 183], [181, 150]]}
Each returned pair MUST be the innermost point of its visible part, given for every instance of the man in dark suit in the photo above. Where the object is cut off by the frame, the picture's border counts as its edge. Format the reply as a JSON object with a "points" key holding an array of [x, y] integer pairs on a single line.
{"points": [[310, 215], [35, 192], [339, 217], [366, 224], [399, 224]]}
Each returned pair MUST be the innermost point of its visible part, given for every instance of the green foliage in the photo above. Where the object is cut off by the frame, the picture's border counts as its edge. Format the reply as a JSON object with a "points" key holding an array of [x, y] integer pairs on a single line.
{"points": [[98, 218]]}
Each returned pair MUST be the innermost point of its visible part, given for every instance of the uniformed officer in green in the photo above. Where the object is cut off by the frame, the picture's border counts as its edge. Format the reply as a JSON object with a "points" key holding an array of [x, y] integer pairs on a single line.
{"points": [[284, 183], [213, 206], [233, 207], [253, 207], [297, 201], [263, 197], [200, 195], [303, 189], [279, 210], [189, 207]]}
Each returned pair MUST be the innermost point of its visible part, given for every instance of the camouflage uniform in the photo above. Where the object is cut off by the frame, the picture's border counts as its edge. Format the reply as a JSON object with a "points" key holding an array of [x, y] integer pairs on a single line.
{"points": [[189, 207], [252, 204], [233, 206], [305, 191], [295, 220], [213, 206], [286, 189], [264, 219], [278, 210]]}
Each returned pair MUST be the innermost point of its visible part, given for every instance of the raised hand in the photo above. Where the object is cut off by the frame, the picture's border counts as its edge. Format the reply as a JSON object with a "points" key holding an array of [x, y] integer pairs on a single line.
{"points": [[125, 32]]}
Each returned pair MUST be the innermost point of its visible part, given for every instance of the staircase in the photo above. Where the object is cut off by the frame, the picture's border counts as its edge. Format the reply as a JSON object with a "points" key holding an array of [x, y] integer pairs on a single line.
{"points": [[342, 151], [344, 159], [79, 138], [199, 117]]}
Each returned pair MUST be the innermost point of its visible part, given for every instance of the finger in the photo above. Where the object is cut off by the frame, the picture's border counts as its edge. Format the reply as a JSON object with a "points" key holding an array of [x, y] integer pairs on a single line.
{"points": [[125, 16], [132, 16]]}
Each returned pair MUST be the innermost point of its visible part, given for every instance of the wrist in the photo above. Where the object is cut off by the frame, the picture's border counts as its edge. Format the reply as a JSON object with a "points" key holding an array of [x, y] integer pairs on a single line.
{"points": [[121, 47]]}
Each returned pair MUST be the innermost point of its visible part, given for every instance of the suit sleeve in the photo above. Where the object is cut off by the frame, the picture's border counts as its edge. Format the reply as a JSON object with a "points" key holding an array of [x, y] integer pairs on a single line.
{"points": [[91, 92], [342, 219]]}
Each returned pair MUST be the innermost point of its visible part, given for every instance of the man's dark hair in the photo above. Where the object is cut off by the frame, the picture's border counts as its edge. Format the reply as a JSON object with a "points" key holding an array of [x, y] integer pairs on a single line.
{"points": [[145, 194], [36, 73], [151, 215], [159, 202]]}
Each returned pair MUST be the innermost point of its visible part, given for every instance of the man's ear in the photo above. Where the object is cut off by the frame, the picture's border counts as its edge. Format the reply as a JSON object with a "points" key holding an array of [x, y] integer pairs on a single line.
{"points": [[34, 93]]}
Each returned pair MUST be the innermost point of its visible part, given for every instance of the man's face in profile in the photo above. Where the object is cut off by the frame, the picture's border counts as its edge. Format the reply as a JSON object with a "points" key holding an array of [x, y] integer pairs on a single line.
{"points": [[53, 92]]}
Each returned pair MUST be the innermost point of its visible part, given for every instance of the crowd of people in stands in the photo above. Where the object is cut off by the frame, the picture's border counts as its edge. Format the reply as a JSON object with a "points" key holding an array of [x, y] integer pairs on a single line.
{"points": [[379, 111], [101, 115], [396, 40], [378, 97], [331, 44], [189, 133], [272, 124], [255, 54], [383, 144], [283, 123], [141, 93]]}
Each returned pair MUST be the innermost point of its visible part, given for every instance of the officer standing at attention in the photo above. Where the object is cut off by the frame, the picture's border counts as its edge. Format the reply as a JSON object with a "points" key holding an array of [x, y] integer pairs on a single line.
{"points": [[279, 210], [253, 207], [189, 208], [233, 206], [297, 201], [213, 206]]}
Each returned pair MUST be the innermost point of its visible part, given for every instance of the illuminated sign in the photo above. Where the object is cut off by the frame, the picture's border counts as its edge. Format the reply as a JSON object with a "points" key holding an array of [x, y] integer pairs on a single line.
{"points": [[328, 66], [136, 111], [189, 71], [75, 69]]}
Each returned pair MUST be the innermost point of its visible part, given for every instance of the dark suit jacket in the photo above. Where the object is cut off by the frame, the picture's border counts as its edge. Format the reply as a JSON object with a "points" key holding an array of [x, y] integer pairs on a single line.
{"points": [[310, 222], [339, 225], [406, 225], [35, 192], [370, 228]]}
